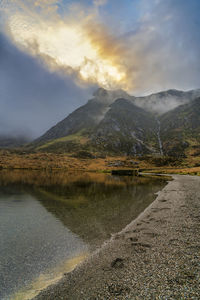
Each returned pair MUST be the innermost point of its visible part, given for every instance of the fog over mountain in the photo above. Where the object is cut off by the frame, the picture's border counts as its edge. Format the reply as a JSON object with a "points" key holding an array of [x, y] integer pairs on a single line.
{"points": [[112, 122]]}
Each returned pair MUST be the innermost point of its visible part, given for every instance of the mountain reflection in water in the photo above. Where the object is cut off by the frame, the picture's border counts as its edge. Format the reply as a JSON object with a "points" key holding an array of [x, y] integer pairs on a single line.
{"points": [[48, 217]]}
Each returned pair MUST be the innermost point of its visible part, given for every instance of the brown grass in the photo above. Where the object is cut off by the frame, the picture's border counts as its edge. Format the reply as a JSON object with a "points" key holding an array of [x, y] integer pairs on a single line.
{"points": [[50, 161]]}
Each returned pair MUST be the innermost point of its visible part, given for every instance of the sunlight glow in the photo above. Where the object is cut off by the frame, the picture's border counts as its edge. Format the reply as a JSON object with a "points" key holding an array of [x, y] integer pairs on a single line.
{"points": [[67, 45]]}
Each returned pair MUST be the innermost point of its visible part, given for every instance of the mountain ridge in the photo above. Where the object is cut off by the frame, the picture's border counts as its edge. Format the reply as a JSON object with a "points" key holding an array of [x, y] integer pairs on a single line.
{"points": [[112, 122]]}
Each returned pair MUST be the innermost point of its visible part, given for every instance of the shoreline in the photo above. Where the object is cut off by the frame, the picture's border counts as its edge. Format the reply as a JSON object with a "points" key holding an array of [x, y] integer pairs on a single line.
{"points": [[156, 256]]}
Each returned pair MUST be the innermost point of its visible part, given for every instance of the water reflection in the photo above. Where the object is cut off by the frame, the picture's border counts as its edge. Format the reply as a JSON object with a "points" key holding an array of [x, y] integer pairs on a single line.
{"points": [[46, 218]]}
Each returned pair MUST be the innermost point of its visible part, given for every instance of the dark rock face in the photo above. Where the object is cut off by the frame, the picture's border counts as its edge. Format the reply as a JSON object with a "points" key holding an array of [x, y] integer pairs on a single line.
{"points": [[181, 127], [126, 128], [114, 122], [84, 118]]}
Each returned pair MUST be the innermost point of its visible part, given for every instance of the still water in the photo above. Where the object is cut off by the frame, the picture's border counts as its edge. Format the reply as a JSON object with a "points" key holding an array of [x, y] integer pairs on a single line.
{"points": [[51, 221]]}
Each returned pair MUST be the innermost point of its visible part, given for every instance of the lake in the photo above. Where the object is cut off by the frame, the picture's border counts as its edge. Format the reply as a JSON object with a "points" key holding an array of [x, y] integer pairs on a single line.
{"points": [[51, 221]]}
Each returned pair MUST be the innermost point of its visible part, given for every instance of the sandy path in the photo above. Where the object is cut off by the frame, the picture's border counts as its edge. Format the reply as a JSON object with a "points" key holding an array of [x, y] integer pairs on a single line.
{"points": [[157, 256]]}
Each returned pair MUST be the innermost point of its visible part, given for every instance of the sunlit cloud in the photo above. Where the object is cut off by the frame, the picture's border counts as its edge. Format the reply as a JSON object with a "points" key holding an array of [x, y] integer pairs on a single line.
{"points": [[157, 51], [65, 44]]}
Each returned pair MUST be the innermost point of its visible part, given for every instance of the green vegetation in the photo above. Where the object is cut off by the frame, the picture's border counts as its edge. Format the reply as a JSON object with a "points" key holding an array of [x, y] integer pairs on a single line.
{"points": [[77, 138]]}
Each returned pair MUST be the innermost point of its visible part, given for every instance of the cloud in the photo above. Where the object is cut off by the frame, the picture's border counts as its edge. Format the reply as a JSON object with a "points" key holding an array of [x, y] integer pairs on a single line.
{"points": [[31, 98], [160, 51], [164, 46], [65, 44], [99, 2]]}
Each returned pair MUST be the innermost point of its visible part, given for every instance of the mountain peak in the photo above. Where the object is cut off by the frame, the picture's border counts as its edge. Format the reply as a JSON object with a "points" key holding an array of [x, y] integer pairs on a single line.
{"points": [[114, 122], [109, 96], [100, 92]]}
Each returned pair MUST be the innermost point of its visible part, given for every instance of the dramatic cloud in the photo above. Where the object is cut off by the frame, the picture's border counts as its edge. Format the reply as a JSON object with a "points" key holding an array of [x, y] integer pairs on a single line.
{"points": [[65, 44], [159, 51], [31, 98], [166, 46]]}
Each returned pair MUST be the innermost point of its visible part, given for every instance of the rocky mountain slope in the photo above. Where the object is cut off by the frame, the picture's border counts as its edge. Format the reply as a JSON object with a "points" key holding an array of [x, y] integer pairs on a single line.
{"points": [[180, 128], [126, 128], [114, 122], [86, 117]]}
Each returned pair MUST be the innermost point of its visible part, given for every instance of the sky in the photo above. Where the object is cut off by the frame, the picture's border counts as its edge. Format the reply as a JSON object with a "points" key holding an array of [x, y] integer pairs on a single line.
{"points": [[55, 53]]}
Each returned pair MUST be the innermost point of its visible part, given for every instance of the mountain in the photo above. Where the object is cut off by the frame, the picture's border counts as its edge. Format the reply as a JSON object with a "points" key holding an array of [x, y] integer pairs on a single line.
{"points": [[113, 122], [90, 114], [85, 117], [126, 128]]}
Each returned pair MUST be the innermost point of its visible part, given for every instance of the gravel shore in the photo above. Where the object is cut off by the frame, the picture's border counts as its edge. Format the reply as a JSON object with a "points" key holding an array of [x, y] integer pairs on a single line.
{"points": [[157, 256]]}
